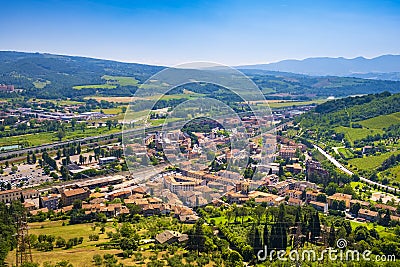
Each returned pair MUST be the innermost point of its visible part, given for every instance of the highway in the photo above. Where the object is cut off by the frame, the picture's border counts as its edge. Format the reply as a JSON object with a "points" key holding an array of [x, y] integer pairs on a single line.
{"points": [[344, 169]]}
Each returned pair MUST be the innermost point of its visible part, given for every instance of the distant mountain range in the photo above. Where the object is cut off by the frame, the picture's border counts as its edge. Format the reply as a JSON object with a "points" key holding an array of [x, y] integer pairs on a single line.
{"points": [[386, 67], [60, 76]]}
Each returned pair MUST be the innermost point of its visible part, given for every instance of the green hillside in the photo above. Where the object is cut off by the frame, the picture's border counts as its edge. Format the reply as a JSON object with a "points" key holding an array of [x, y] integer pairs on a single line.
{"points": [[54, 76]]}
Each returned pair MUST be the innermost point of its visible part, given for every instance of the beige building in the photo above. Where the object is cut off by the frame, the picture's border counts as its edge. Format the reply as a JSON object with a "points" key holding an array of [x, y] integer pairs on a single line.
{"points": [[69, 196], [10, 195]]}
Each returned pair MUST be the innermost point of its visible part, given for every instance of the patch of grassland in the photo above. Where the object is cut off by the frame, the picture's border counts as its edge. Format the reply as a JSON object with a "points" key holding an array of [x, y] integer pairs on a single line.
{"points": [[121, 80], [371, 162], [40, 84], [353, 134], [381, 122], [346, 153], [295, 103], [383, 232], [80, 255], [50, 137], [94, 86]]}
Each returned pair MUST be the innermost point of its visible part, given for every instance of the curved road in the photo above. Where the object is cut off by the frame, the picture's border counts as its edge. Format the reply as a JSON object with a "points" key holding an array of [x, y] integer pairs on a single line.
{"points": [[340, 166]]}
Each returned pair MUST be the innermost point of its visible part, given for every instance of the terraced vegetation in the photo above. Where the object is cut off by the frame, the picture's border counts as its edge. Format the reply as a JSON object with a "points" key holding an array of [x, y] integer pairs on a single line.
{"points": [[381, 122], [345, 153], [353, 134], [370, 163]]}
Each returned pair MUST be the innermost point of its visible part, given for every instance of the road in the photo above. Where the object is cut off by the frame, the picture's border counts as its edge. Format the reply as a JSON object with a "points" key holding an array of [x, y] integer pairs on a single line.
{"points": [[344, 169]]}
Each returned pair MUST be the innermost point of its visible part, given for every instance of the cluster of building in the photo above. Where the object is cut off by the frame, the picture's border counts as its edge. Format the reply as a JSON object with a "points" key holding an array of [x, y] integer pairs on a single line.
{"points": [[6, 88], [58, 116]]}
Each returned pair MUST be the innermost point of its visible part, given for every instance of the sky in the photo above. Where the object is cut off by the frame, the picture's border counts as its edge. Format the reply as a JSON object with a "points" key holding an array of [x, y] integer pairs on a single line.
{"points": [[235, 32]]}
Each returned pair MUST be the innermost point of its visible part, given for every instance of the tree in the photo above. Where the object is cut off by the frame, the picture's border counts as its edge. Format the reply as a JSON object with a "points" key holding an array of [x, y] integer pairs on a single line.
{"points": [[355, 208], [315, 225], [60, 134], [197, 237], [98, 261], [259, 211], [278, 238], [332, 236], [321, 198], [109, 124], [14, 169], [64, 172], [73, 124], [126, 230], [60, 242], [234, 259]]}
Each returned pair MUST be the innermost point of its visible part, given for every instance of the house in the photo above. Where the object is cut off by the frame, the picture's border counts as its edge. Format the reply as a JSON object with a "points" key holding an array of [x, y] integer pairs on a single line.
{"points": [[312, 195], [236, 198], [368, 215], [51, 202], [69, 196], [9, 196], [294, 168], [188, 218], [30, 194], [169, 237], [120, 195], [340, 197], [29, 206], [322, 207], [281, 187], [363, 204], [107, 160], [386, 207], [294, 194], [294, 202], [287, 152]]}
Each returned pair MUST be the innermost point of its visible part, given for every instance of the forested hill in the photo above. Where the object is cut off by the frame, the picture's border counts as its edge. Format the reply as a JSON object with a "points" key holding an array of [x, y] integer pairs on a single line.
{"points": [[52, 76], [56, 76], [346, 111]]}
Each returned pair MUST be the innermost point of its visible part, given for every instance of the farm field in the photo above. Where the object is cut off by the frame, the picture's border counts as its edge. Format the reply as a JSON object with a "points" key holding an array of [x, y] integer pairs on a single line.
{"points": [[294, 103], [94, 86], [50, 137], [345, 152], [80, 255], [381, 122], [371, 162], [121, 80], [353, 134]]}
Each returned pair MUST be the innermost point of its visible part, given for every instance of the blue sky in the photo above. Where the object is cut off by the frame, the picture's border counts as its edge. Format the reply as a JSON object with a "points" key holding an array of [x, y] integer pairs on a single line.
{"points": [[228, 32]]}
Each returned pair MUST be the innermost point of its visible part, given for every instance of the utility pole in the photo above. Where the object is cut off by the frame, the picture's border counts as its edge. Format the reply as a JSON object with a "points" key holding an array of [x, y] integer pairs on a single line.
{"points": [[23, 250]]}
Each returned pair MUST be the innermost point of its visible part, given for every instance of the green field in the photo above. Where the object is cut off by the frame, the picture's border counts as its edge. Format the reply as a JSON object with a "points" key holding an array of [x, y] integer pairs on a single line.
{"points": [[294, 103], [353, 134], [371, 162], [80, 255], [394, 173], [94, 86], [41, 84], [49, 137], [121, 80], [345, 153], [381, 122]]}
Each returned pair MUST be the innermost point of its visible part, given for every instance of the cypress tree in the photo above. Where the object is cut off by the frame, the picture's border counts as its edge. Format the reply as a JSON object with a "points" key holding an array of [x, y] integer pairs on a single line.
{"points": [[332, 236]]}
